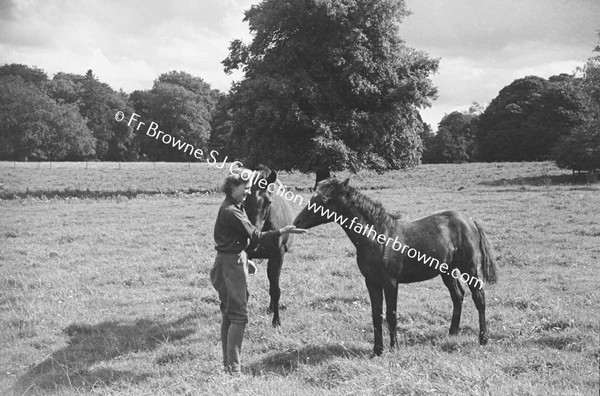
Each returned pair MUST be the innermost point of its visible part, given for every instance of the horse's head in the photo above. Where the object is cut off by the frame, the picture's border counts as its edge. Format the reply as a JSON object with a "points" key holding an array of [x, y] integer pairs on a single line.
{"points": [[322, 204], [258, 203]]}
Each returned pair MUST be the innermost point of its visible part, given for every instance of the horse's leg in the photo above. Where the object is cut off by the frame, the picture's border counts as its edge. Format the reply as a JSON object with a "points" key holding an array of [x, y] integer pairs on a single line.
{"points": [[457, 294], [391, 301], [376, 295], [479, 300], [273, 272]]}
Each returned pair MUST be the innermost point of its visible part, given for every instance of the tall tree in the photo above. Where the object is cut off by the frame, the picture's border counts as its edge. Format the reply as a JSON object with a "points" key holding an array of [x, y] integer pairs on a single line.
{"points": [[528, 118], [98, 103], [447, 148], [182, 105], [329, 84], [222, 123], [581, 149], [455, 140], [427, 137], [33, 126]]}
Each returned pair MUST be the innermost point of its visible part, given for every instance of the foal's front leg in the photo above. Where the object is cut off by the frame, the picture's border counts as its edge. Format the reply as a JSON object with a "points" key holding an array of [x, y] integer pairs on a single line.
{"points": [[376, 295]]}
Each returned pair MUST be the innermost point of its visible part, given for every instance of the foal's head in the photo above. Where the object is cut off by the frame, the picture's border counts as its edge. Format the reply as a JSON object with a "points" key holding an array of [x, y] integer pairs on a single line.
{"points": [[321, 204]]}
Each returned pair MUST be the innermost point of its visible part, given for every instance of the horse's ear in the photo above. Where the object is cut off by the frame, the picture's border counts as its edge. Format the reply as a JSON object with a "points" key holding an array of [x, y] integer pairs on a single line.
{"points": [[345, 182], [272, 177], [321, 174]]}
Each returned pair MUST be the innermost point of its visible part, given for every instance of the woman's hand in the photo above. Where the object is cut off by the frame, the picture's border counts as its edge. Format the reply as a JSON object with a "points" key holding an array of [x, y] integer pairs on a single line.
{"points": [[291, 229]]}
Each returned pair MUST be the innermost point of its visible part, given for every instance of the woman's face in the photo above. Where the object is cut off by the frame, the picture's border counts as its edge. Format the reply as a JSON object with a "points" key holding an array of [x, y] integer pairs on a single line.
{"points": [[240, 192]]}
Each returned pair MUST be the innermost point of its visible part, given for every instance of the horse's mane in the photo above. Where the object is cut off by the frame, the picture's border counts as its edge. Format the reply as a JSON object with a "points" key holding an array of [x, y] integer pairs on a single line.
{"points": [[372, 209], [262, 171]]}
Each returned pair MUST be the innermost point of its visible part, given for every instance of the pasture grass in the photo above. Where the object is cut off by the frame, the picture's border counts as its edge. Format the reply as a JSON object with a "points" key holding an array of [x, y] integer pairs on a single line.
{"points": [[108, 293]]}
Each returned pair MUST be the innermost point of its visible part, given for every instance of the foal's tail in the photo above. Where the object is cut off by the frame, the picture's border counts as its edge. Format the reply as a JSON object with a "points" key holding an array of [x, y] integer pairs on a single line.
{"points": [[488, 265]]}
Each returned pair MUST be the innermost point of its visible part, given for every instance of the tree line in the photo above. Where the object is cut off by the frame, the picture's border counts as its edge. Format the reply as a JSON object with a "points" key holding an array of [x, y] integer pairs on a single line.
{"points": [[532, 119], [72, 117], [326, 85]]}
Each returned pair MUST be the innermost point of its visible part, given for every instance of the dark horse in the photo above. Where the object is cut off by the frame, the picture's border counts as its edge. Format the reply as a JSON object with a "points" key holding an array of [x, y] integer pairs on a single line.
{"points": [[269, 211], [449, 237]]}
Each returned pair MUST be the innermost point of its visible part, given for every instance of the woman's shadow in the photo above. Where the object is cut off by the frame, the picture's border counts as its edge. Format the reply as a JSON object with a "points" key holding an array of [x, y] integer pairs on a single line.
{"points": [[72, 366]]}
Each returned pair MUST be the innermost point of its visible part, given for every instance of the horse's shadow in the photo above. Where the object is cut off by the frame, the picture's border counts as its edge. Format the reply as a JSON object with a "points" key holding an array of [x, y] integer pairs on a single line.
{"points": [[90, 345], [288, 361]]}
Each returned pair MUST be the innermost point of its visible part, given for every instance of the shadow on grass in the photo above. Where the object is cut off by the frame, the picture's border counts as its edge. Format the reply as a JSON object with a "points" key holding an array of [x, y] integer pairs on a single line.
{"points": [[546, 180], [410, 336], [89, 194], [286, 362], [89, 345], [573, 340]]}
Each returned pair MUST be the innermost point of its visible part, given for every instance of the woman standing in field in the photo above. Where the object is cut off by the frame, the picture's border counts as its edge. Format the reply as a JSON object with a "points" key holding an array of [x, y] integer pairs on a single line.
{"points": [[233, 234]]}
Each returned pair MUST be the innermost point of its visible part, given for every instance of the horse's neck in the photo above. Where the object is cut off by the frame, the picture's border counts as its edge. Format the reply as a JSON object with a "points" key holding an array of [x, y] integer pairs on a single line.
{"points": [[281, 212], [358, 231]]}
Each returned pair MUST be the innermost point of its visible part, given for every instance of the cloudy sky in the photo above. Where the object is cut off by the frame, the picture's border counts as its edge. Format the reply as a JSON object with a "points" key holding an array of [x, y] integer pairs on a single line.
{"points": [[483, 44]]}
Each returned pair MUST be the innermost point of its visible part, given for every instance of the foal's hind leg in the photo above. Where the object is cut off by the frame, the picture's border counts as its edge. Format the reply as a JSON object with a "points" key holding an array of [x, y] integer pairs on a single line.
{"points": [[391, 301], [376, 296], [457, 294], [479, 300]]}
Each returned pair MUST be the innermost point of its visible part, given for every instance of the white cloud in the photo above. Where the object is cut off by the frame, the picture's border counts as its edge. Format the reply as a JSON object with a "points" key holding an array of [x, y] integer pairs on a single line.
{"points": [[462, 81], [484, 45], [126, 44]]}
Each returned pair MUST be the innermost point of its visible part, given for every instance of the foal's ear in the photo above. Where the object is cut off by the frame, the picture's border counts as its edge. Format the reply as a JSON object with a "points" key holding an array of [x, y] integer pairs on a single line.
{"points": [[345, 182], [272, 177]]}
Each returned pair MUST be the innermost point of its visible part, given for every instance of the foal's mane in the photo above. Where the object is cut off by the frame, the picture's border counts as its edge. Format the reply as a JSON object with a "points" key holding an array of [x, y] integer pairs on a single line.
{"points": [[372, 209]]}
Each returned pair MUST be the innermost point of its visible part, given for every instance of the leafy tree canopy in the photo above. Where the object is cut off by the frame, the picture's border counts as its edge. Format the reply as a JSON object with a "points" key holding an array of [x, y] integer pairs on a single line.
{"points": [[29, 74], [182, 105], [529, 116], [33, 126], [98, 103], [328, 84], [455, 139], [581, 149]]}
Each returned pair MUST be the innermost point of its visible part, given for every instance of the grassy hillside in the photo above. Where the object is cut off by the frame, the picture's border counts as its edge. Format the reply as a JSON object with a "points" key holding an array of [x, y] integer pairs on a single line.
{"points": [[104, 288]]}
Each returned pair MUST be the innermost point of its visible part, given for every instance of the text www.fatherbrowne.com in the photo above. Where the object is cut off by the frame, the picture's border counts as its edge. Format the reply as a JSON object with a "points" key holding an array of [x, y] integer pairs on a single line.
{"points": [[383, 239]]}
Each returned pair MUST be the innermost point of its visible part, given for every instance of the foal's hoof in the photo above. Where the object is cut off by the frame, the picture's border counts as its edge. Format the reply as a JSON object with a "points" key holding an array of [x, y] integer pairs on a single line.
{"points": [[376, 353], [276, 322], [483, 340], [454, 332]]}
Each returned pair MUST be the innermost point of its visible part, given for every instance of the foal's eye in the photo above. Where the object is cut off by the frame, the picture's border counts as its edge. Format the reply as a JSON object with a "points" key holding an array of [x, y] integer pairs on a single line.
{"points": [[317, 196]]}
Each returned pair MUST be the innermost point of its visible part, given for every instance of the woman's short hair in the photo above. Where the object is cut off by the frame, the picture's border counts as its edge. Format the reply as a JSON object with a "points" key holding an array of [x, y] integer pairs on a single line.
{"points": [[232, 181]]}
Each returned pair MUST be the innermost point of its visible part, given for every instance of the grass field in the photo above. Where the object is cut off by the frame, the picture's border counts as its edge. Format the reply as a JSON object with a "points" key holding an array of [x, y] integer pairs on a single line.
{"points": [[104, 288]]}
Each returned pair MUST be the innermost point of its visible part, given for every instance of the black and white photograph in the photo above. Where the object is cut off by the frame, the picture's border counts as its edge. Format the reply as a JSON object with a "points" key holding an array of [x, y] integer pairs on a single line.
{"points": [[300, 197]]}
